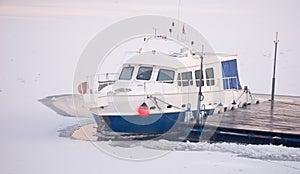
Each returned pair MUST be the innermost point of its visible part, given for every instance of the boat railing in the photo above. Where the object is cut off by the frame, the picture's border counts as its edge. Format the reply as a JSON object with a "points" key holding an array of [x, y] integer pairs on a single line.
{"points": [[99, 81], [94, 84]]}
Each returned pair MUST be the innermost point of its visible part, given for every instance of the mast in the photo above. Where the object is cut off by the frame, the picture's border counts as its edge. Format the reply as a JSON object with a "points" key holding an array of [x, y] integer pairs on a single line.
{"points": [[274, 70]]}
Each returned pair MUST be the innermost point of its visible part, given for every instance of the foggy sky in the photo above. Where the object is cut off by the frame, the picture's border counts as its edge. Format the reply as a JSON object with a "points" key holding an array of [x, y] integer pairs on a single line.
{"points": [[41, 41]]}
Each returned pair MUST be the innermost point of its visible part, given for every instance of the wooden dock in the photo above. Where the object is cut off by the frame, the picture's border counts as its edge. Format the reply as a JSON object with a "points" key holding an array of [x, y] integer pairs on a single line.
{"points": [[256, 124], [285, 118]]}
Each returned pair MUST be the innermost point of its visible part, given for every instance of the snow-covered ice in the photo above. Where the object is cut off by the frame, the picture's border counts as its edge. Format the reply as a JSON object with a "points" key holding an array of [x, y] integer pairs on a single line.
{"points": [[30, 143]]}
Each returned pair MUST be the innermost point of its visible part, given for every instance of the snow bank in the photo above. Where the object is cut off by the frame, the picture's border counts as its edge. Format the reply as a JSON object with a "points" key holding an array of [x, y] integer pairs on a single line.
{"points": [[265, 152]]}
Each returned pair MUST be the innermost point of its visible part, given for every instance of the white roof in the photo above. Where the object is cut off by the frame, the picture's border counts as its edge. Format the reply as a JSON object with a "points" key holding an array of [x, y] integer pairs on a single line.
{"points": [[152, 58], [163, 60], [157, 58]]}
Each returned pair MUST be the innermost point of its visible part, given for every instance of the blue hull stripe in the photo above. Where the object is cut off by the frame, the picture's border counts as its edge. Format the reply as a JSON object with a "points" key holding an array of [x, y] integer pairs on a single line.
{"points": [[137, 124]]}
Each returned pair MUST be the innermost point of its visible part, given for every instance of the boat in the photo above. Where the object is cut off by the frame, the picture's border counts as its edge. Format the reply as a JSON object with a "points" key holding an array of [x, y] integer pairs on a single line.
{"points": [[155, 91]]}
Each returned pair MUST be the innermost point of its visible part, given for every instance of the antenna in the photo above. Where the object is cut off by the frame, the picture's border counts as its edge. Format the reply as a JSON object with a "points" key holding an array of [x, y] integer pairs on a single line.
{"points": [[155, 31], [274, 70], [178, 12]]}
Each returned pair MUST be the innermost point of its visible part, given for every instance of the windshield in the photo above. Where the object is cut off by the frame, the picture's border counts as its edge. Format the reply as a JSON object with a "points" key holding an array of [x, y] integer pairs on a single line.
{"points": [[166, 76], [144, 73], [126, 73]]}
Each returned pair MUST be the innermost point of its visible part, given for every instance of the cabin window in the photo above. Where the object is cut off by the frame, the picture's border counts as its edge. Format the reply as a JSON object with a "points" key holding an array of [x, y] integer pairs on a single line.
{"points": [[197, 76], [126, 73], [165, 76], [179, 79], [210, 77], [144, 73], [187, 78]]}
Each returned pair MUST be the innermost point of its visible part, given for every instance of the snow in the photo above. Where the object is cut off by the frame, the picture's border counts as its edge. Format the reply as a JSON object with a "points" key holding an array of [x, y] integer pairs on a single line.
{"points": [[33, 145], [61, 155], [32, 142]]}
